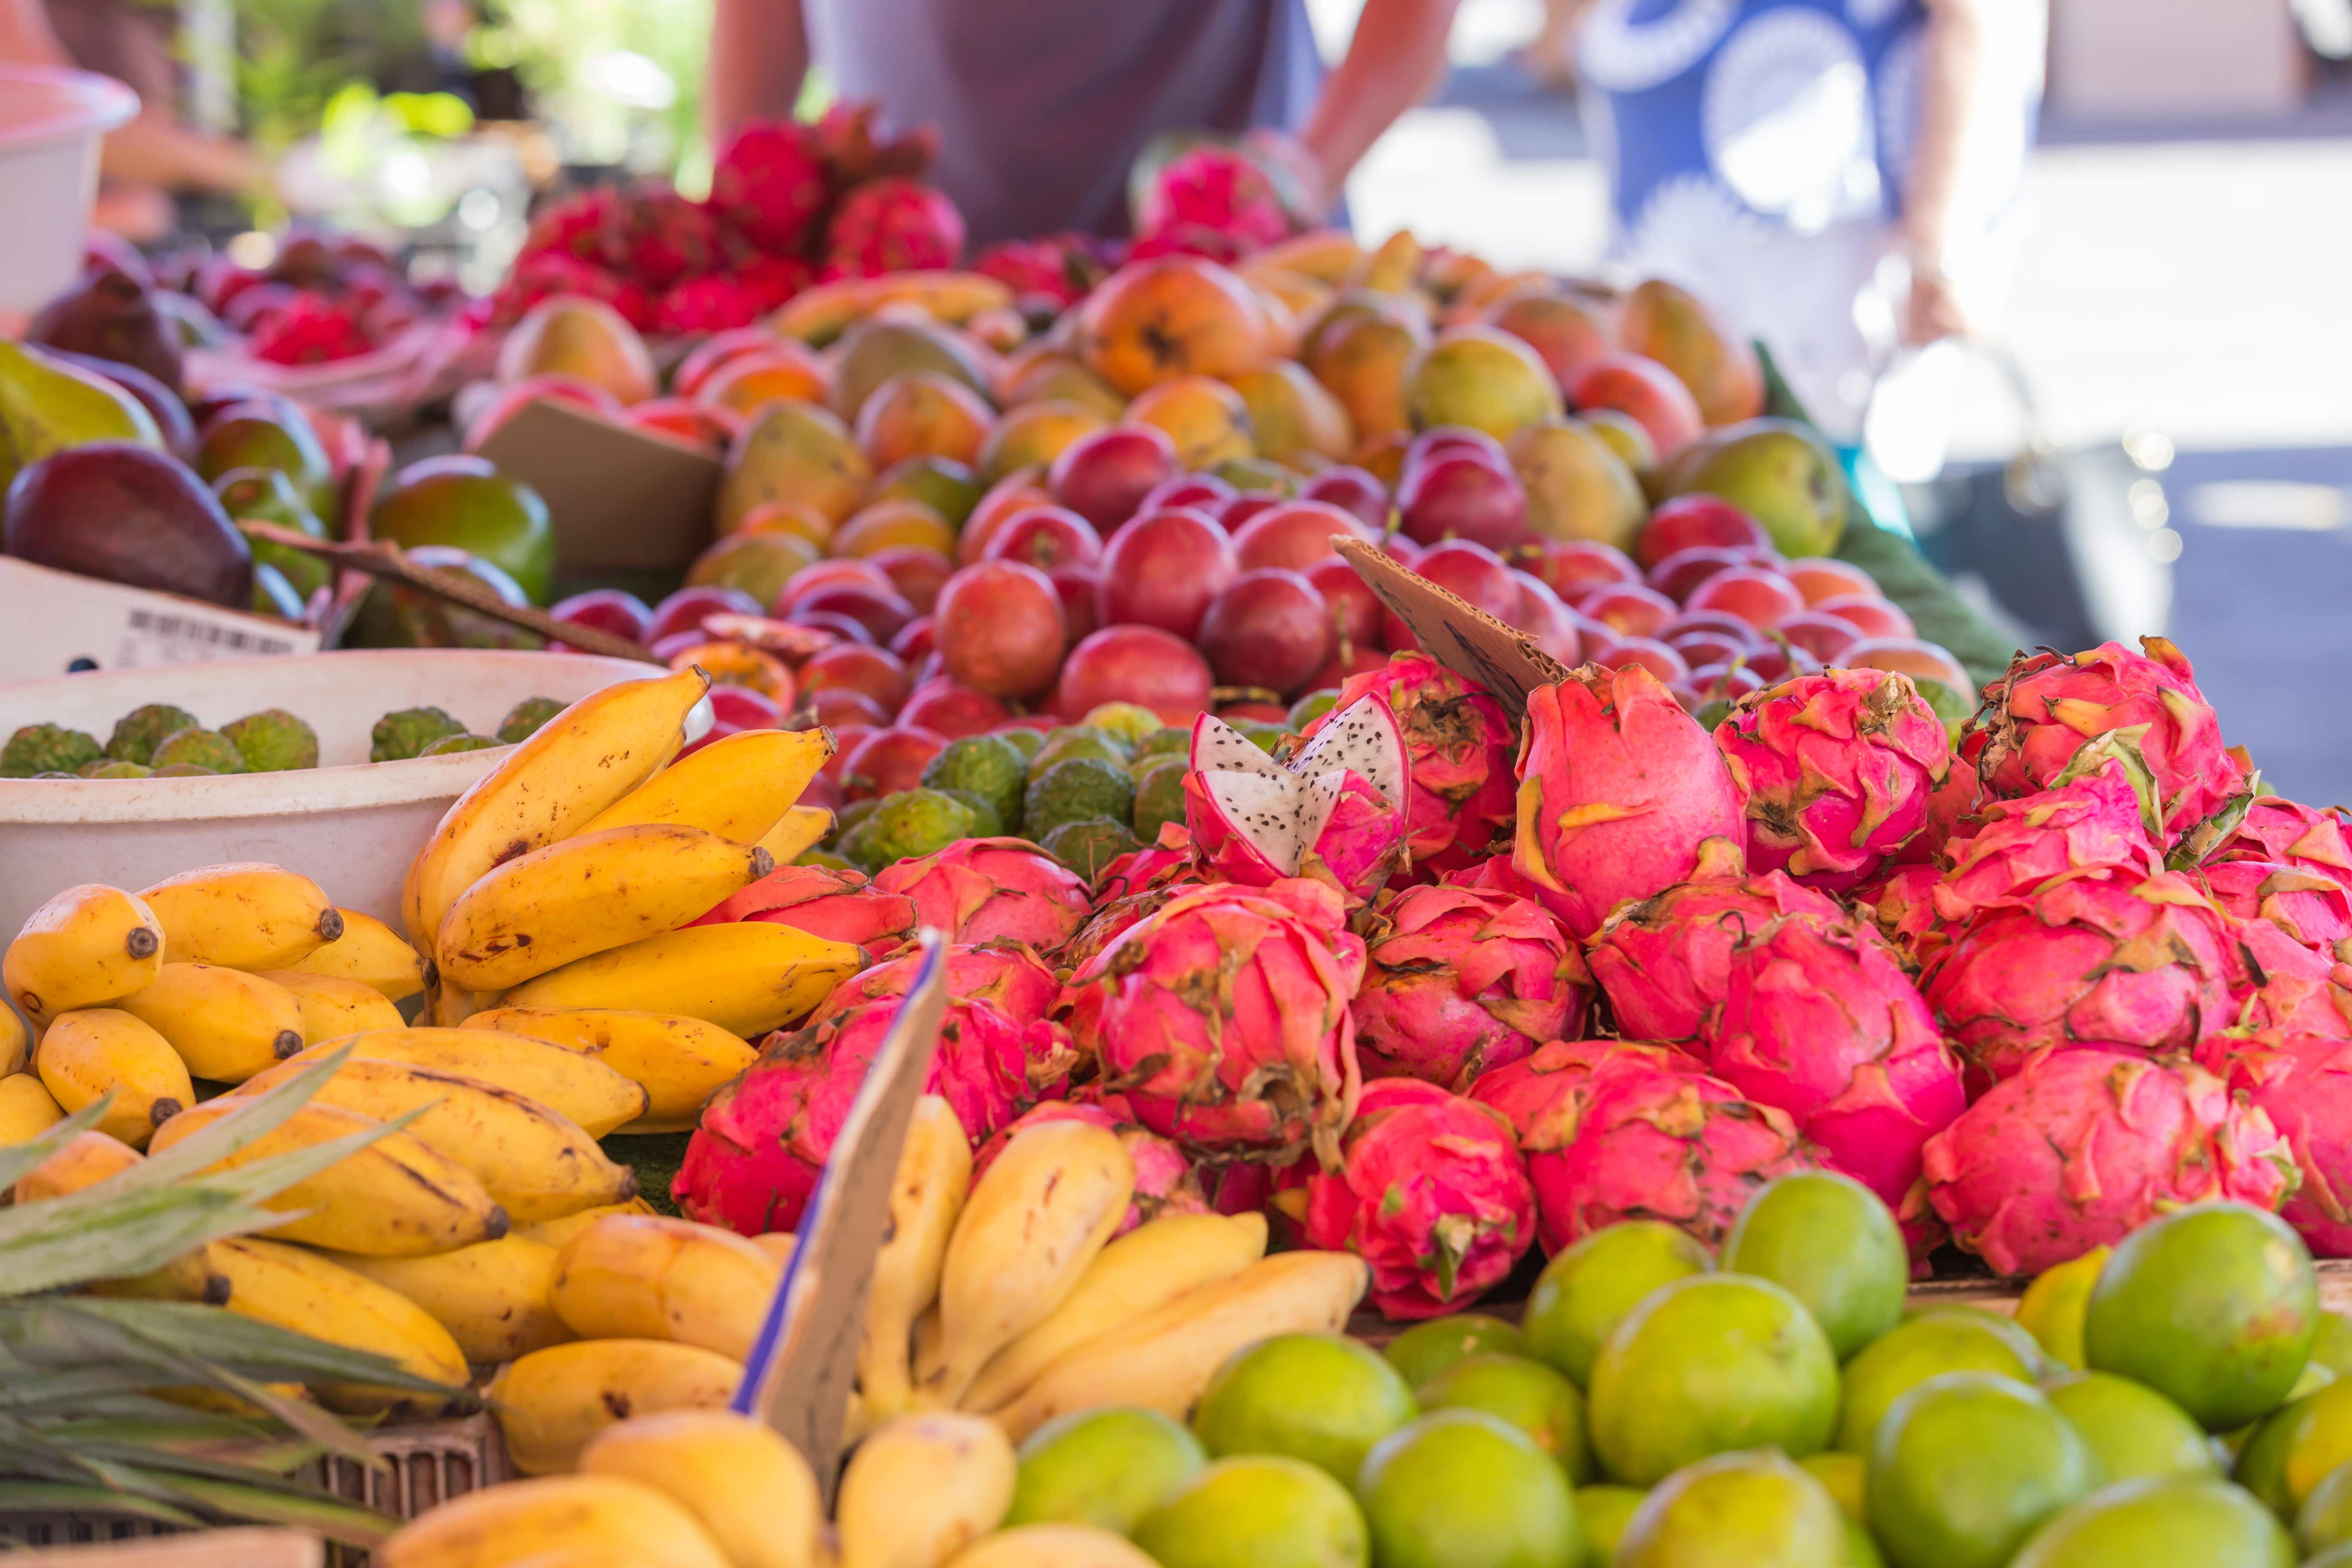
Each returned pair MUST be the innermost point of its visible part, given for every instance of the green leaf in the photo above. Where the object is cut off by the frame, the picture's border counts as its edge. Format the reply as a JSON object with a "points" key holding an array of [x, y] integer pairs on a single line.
{"points": [[255, 1116], [337, 1520], [18, 1158], [29, 1497], [62, 1242]]}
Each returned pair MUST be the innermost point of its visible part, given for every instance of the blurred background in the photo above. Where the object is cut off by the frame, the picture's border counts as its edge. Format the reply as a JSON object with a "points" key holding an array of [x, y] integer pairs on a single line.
{"points": [[2171, 352]]}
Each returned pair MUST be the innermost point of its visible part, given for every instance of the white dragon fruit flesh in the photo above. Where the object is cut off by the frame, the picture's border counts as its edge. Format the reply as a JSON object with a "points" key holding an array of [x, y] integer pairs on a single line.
{"points": [[1335, 811]]}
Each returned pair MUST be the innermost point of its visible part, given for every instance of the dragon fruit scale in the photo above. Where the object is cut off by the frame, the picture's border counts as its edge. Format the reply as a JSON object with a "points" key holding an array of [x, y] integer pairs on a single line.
{"points": [[2282, 984], [1621, 795], [1004, 973], [1818, 1020], [2314, 910], [1613, 1131], [2040, 712], [2276, 829], [769, 185], [979, 890], [657, 237], [840, 906], [1460, 743], [764, 1139], [1334, 811], [892, 225], [1838, 769], [1431, 1192], [1458, 981], [1900, 900], [1663, 962], [1218, 189], [2096, 958], [1165, 1180], [2304, 1084], [2098, 815], [2082, 1145], [1223, 1018]]}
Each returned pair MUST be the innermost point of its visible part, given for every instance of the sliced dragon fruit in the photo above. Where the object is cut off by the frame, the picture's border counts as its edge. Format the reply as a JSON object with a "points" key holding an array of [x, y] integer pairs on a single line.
{"points": [[1334, 811]]}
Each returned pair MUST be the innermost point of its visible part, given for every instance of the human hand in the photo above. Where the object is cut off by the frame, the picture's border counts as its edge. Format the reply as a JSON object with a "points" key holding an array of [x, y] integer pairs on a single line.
{"points": [[1933, 310]]}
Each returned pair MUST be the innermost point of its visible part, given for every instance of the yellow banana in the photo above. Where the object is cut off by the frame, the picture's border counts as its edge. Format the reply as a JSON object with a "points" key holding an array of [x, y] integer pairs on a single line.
{"points": [[552, 1401], [86, 947], [88, 1158], [497, 1527], [556, 1232], [1145, 1268], [97, 1050], [929, 1338], [1051, 1546], [647, 1277], [1391, 268], [492, 1297], [226, 1025], [549, 787], [395, 1198], [587, 894], [934, 1177], [797, 832], [570, 1083], [747, 978], [737, 787], [751, 1489], [246, 915], [27, 1109], [1327, 254], [299, 1290], [534, 1164], [1164, 1359], [921, 1489], [372, 953], [680, 1062], [447, 1005], [332, 1006], [1033, 1227], [944, 294], [15, 1039]]}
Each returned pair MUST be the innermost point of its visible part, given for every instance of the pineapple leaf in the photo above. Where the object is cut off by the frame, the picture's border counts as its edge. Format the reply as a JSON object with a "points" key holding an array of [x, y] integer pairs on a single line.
{"points": [[255, 1117], [96, 1233], [18, 1158], [331, 1517], [18, 1496]]}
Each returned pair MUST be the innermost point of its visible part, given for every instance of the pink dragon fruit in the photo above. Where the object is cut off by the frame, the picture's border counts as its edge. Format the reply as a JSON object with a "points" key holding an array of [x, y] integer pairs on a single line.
{"points": [[1333, 812], [546, 277], [1218, 189], [712, 304], [1460, 743], [769, 185], [1224, 1020], [2313, 910], [1060, 268], [1818, 1020], [1663, 962], [1621, 795], [1838, 769], [840, 906], [1615, 1131], [1431, 1192], [772, 280], [1004, 973], [978, 889], [2304, 1084], [2094, 960], [573, 227], [1165, 1182], [2048, 705], [657, 238], [892, 225], [1191, 239], [1901, 902], [1952, 809], [1133, 885], [764, 1139], [2101, 816], [1459, 981], [2083, 1145], [2278, 830], [2282, 984]]}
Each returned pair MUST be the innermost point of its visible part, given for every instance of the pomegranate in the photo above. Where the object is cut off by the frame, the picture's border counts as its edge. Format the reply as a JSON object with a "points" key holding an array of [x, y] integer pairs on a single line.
{"points": [[1340, 672], [1920, 659], [1756, 595], [1574, 567], [744, 708], [1104, 475], [1869, 615], [1688, 521], [825, 573], [1648, 652], [1776, 661], [1629, 609], [1732, 627], [1643, 389], [1471, 571], [843, 706], [1547, 622], [881, 611], [1352, 489], [916, 573], [1296, 534], [1205, 491], [1044, 536], [1458, 495], [846, 738], [1246, 505], [1685, 570], [684, 610], [1269, 627], [1725, 682], [839, 626], [1162, 569], [1704, 648], [1825, 636], [947, 707], [1255, 712], [1817, 577], [606, 610], [1452, 440], [1011, 494], [914, 639], [877, 672], [889, 761], [1081, 591], [1137, 664], [1355, 608], [1000, 627]]}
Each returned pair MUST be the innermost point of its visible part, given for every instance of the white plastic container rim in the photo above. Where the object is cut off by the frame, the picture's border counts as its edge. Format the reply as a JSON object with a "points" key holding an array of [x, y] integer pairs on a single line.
{"points": [[42, 104]]}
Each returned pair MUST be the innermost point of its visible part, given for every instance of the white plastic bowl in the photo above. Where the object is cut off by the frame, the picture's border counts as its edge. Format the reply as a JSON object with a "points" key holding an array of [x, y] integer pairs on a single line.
{"points": [[51, 122], [351, 824]]}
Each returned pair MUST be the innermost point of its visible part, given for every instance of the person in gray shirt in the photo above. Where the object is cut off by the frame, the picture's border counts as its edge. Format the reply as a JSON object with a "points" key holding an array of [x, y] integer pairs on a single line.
{"points": [[1042, 105]]}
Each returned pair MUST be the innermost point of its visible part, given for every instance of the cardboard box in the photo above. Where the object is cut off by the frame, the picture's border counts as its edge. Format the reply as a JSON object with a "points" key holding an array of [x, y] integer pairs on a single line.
{"points": [[622, 501], [57, 623]]}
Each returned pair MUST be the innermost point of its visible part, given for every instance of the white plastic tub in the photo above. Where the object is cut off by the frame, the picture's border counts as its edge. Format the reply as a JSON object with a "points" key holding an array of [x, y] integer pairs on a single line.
{"points": [[351, 824], [51, 122]]}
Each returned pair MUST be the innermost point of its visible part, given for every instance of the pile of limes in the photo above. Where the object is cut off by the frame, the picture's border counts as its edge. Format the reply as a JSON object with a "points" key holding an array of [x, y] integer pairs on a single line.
{"points": [[2171, 1403]]}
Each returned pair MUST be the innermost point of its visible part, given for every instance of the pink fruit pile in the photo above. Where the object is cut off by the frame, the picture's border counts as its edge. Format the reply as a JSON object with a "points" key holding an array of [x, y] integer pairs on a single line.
{"points": [[322, 298]]}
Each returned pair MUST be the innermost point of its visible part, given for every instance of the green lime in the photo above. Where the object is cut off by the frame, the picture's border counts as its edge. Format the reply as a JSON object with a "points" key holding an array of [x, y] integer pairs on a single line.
{"points": [[1461, 1489], [1529, 1395], [1843, 1474], [2326, 1518], [1861, 1551], [2319, 1438], [1899, 1361], [1322, 1398], [1829, 1242], [1603, 1512], [2131, 1428], [1706, 1365], [1584, 1290], [1260, 1511], [1106, 1468], [2333, 1347], [1426, 1349], [2261, 1463], [2214, 1306], [2161, 1521], [1735, 1511], [2054, 1303], [1965, 1466]]}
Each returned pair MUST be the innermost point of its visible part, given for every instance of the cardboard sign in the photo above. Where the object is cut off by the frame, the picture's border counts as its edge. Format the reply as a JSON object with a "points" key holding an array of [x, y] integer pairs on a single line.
{"points": [[621, 500], [52, 623], [803, 1365], [1471, 642], [241, 1548]]}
